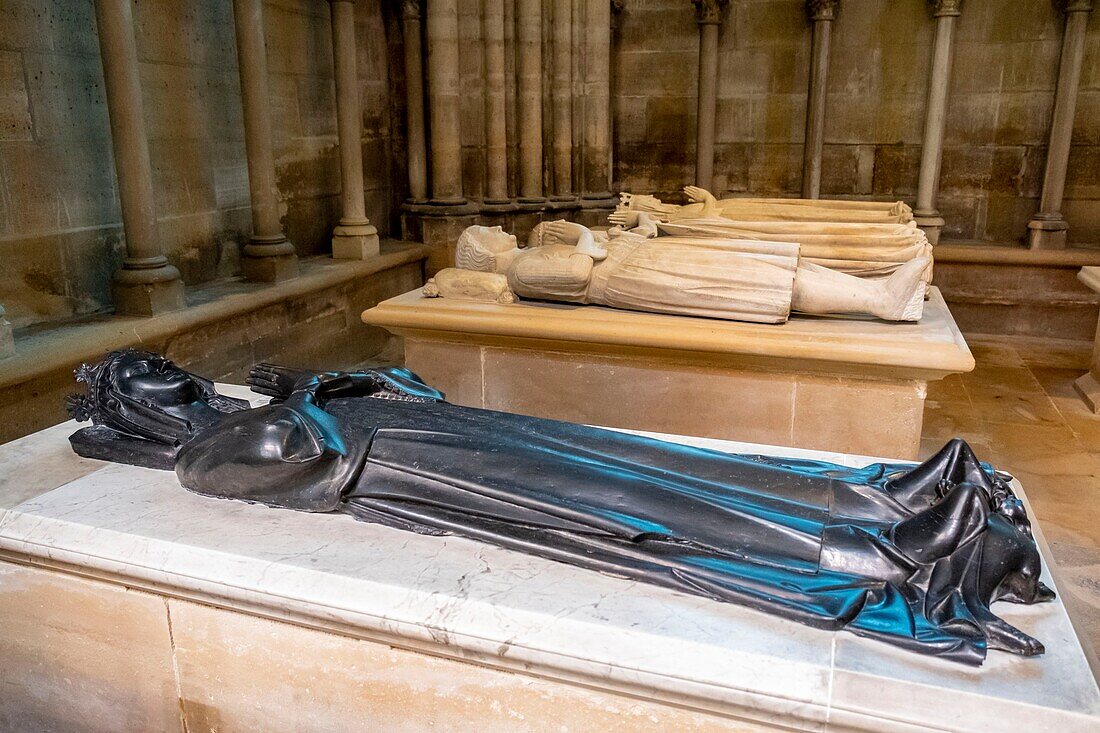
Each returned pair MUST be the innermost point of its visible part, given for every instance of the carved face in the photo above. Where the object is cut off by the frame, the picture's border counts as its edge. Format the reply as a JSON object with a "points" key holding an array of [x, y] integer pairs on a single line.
{"points": [[154, 379], [483, 248]]}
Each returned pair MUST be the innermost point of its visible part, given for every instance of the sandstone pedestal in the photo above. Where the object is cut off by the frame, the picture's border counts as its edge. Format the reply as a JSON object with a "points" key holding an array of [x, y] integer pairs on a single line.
{"points": [[269, 260], [1088, 385], [129, 603], [354, 241], [147, 292], [1048, 233], [825, 383]]}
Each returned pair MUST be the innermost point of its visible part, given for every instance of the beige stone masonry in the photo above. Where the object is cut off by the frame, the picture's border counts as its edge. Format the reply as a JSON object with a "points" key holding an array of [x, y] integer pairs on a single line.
{"points": [[312, 319], [354, 238], [268, 256], [1088, 385], [87, 655], [852, 386]]}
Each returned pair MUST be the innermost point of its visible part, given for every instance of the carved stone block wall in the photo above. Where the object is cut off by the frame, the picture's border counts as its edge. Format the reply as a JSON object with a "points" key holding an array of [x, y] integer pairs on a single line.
{"points": [[60, 225], [999, 107]]}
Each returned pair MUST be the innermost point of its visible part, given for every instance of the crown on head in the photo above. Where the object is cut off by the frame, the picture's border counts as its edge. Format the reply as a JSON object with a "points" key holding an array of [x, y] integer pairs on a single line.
{"points": [[82, 407]]}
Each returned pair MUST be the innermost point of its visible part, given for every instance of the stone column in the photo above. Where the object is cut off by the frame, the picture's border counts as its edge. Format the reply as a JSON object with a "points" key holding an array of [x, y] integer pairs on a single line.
{"points": [[414, 104], [496, 116], [596, 168], [354, 238], [268, 256], [1047, 229], [7, 342], [146, 285], [510, 95], [443, 103], [822, 13], [562, 95], [529, 94], [935, 117], [709, 15]]}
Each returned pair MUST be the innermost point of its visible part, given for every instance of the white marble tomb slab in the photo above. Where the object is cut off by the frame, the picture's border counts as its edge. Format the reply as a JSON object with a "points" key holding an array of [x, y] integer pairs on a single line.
{"points": [[467, 600]]}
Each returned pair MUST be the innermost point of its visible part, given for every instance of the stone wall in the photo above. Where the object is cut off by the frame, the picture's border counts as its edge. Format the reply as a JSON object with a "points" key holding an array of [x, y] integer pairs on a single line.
{"points": [[60, 237], [1000, 101], [312, 321], [60, 231]]}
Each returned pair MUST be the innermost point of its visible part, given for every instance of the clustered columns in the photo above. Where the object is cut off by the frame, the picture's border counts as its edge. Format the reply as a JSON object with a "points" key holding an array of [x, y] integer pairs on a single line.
{"points": [[354, 238], [1047, 229], [268, 257], [822, 13], [562, 96], [529, 99], [708, 13], [596, 156], [146, 285], [414, 104], [544, 149], [935, 117], [496, 105], [443, 94]]}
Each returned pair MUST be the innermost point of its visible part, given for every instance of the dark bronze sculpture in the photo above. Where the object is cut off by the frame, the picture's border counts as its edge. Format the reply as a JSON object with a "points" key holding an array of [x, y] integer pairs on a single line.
{"points": [[913, 556]]}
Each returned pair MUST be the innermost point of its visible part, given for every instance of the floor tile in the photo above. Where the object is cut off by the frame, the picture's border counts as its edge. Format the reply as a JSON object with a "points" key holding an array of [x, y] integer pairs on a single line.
{"points": [[949, 389], [1021, 413], [1006, 379], [994, 351]]}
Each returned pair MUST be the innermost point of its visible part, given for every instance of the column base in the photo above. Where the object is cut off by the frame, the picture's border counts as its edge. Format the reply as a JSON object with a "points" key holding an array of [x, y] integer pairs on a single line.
{"points": [[1047, 231], [147, 291], [599, 200], [595, 208], [354, 241], [7, 341], [931, 223], [1089, 390], [269, 260], [497, 206], [531, 203]]}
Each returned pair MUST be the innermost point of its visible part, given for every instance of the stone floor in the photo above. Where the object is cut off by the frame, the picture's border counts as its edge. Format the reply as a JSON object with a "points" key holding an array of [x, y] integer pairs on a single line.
{"points": [[1018, 410]]}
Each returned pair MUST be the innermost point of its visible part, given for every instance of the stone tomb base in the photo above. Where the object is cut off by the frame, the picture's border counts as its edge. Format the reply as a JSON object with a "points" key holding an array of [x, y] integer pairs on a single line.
{"points": [[130, 604], [822, 383]]}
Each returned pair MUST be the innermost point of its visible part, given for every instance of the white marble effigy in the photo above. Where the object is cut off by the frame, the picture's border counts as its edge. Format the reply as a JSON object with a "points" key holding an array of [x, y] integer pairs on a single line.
{"points": [[523, 618]]}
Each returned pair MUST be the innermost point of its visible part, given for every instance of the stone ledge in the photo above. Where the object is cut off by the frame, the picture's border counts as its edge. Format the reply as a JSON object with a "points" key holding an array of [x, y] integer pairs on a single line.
{"points": [[930, 349], [1015, 291], [229, 325], [1008, 254], [40, 349]]}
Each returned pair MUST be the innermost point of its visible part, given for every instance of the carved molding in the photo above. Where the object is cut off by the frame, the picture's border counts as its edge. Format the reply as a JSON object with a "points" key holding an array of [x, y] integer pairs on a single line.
{"points": [[822, 9], [945, 7], [410, 9], [1077, 6], [709, 12]]}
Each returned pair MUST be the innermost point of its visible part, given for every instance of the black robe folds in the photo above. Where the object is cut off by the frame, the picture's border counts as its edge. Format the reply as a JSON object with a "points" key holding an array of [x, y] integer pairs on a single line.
{"points": [[910, 556]]}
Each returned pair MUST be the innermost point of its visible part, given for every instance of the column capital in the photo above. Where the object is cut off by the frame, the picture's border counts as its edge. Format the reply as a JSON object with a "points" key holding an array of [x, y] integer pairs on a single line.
{"points": [[1077, 6], [410, 9], [709, 12], [941, 8], [822, 9]]}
